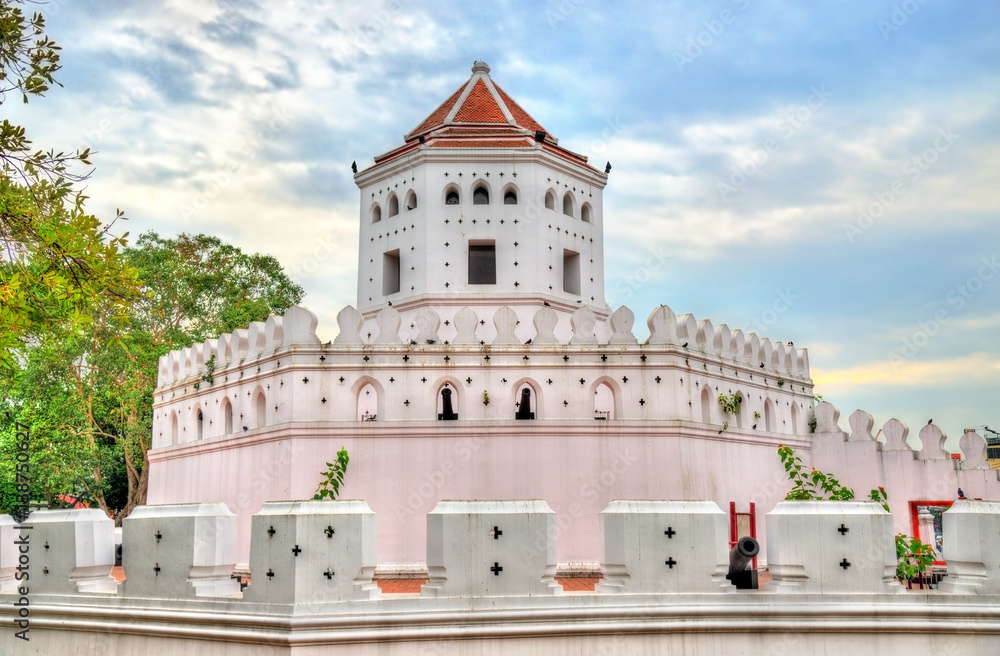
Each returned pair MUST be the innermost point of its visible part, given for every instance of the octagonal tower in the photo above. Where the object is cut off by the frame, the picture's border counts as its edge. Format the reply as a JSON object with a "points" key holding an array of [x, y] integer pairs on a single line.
{"points": [[482, 208]]}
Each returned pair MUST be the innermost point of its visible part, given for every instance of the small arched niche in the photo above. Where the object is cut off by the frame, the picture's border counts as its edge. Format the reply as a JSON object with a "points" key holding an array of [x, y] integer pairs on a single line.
{"points": [[451, 195], [174, 428], [411, 200], [741, 411], [392, 205], [585, 213], [795, 419], [604, 402], [480, 194], [367, 403], [510, 196], [226, 410], [768, 416], [525, 402], [376, 213], [199, 422], [568, 204], [706, 406], [550, 200], [259, 409], [447, 403]]}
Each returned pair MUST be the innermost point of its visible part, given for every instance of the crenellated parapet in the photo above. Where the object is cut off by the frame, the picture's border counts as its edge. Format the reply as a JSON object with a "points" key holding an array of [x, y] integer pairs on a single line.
{"points": [[278, 371]]}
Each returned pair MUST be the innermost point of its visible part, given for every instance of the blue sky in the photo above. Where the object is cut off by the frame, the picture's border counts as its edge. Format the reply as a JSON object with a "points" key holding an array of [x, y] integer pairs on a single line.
{"points": [[824, 173]]}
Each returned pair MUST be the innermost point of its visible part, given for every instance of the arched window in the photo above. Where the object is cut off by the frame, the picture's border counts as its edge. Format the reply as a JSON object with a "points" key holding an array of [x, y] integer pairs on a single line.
{"points": [[411, 201], [226, 409], [742, 409], [706, 406], [604, 402], [368, 403], [451, 198], [481, 195], [550, 200], [768, 416], [568, 204], [525, 403], [447, 403], [199, 422], [260, 411], [393, 205], [585, 213], [376, 213], [510, 197]]}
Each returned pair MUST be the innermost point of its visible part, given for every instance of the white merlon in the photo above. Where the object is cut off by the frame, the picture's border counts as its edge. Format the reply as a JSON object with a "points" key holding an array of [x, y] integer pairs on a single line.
{"points": [[71, 551], [491, 549], [656, 547], [180, 551]]}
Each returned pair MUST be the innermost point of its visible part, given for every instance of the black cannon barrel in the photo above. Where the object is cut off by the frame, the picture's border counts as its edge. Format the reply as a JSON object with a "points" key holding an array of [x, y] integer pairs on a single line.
{"points": [[742, 553], [446, 411], [524, 407]]}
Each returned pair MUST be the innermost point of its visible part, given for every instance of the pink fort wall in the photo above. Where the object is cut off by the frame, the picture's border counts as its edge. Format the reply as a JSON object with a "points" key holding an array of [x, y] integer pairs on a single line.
{"points": [[576, 467]]}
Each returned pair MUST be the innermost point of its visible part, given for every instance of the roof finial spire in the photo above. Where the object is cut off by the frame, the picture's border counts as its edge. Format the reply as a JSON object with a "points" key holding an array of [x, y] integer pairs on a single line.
{"points": [[479, 66]]}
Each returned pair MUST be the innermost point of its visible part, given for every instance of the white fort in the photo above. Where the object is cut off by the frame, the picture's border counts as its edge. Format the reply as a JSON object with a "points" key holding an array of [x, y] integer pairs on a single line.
{"points": [[506, 431]]}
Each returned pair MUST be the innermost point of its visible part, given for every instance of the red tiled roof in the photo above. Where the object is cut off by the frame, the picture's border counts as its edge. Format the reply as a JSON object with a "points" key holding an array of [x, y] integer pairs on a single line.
{"points": [[480, 107], [480, 121], [438, 115], [520, 116]]}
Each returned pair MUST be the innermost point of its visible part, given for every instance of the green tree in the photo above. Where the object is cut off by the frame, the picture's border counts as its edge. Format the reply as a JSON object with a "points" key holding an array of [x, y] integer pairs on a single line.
{"points": [[56, 260], [88, 395]]}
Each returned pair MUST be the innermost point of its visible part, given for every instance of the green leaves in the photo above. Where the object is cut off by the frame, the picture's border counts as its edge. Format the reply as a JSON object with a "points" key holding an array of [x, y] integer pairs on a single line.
{"points": [[879, 494], [914, 557], [196, 287], [333, 477], [812, 486], [731, 403]]}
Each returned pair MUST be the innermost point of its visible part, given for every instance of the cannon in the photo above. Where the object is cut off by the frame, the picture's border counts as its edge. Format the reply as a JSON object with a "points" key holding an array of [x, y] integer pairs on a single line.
{"points": [[739, 557], [524, 407], [446, 414]]}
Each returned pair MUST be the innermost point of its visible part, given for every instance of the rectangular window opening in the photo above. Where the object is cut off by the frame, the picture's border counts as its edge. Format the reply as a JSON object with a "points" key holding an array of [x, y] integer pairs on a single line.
{"points": [[390, 272], [482, 263], [571, 272]]}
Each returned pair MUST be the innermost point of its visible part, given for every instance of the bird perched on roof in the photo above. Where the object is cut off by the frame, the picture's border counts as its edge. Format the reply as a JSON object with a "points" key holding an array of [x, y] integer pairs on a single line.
{"points": [[546, 304], [607, 168], [930, 421], [354, 166]]}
